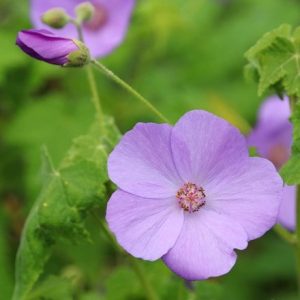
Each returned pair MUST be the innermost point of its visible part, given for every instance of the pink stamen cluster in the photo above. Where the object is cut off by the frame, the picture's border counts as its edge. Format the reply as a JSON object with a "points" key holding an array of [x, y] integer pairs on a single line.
{"points": [[191, 197]]}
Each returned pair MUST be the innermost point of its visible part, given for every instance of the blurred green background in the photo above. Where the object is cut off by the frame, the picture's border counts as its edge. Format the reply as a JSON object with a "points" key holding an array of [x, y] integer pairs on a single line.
{"points": [[181, 55]]}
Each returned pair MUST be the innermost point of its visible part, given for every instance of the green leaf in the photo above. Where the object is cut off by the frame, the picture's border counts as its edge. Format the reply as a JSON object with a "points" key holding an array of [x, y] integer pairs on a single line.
{"points": [[122, 284], [276, 59], [208, 290], [290, 172], [53, 288], [68, 194]]}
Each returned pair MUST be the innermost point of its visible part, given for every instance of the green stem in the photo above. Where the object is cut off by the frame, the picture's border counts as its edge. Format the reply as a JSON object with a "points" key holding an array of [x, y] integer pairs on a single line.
{"points": [[289, 237], [126, 86], [132, 261], [143, 279], [95, 97], [79, 29], [293, 101], [92, 82]]}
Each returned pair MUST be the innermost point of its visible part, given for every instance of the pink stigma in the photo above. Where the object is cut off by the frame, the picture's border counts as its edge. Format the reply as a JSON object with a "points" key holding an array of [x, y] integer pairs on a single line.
{"points": [[190, 197]]}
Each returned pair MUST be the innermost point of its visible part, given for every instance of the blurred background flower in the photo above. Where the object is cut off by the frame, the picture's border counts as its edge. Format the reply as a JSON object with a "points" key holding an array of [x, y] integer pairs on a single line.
{"points": [[104, 32], [272, 137]]}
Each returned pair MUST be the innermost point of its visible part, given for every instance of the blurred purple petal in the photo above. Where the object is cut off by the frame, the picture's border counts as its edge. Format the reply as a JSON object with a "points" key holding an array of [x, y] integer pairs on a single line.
{"points": [[272, 138], [103, 34]]}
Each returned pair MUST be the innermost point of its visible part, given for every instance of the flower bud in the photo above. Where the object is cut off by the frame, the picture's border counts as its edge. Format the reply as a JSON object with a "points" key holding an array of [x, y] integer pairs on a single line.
{"points": [[79, 57], [44, 45], [56, 18], [85, 11]]}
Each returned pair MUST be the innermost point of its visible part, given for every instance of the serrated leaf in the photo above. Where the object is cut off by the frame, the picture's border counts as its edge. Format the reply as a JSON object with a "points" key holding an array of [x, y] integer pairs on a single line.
{"points": [[276, 59], [68, 194], [290, 172], [266, 40]]}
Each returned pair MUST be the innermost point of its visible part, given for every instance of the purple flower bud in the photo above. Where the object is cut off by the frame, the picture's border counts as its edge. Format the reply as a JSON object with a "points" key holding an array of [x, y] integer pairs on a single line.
{"points": [[53, 49]]}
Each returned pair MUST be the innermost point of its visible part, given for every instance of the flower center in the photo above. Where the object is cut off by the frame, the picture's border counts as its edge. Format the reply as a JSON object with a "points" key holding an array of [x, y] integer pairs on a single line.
{"points": [[190, 197], [99, 19], [278, 155]]}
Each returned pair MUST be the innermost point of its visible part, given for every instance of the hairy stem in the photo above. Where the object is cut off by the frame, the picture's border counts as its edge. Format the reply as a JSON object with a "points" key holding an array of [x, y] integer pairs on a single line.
{"points": [[126, 86], [95, 97], [143, 279], [92, 82]]}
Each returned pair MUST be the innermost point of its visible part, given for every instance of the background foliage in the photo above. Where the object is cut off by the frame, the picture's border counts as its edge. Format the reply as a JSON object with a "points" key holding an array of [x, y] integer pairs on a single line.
{"points": [[180, 54]]}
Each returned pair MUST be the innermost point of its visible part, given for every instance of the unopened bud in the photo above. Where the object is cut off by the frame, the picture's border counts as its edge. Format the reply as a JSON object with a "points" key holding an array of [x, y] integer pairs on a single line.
{"points": [[56, 18], [84, 11], [53, 49], [80, 57]]}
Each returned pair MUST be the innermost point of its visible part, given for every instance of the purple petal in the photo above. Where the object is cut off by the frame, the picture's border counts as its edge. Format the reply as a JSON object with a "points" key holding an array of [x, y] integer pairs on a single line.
{"points": [[250, 194], [100, 42], [146, 228], [272, 138], [205, 246], [204, 145], [287, 211], [142, 162], [46, 46]]}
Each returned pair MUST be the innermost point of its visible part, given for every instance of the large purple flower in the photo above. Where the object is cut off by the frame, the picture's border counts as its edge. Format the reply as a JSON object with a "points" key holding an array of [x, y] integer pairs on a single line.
{"points": [[103, 33], [190, 194], [272, 138]]}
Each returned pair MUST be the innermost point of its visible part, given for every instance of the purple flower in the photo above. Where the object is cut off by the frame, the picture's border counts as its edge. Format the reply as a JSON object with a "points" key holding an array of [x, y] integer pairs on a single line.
{"points": [[103, 33], [272, 138], [45, 46], [190, 194]]}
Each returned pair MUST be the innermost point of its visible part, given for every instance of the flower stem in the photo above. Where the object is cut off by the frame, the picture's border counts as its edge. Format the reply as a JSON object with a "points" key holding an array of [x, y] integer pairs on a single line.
{"points": [[79, 29], [92, 82], [143, 279], [126, 86], [286, 235], [95, 97], [151, 295]]}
